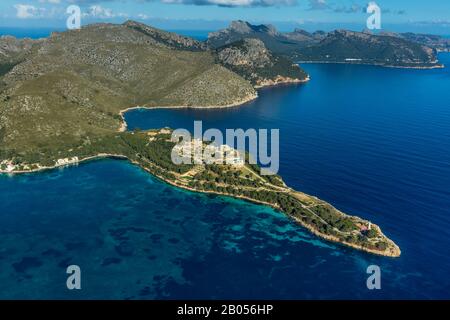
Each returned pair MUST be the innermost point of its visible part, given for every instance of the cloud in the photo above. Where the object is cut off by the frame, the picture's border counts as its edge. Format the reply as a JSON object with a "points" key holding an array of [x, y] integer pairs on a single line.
{"points": [[50, 1], [385, 10], [235, 3], [27, 11], [143, 16], [318, 5], [97, 11], [220, 3], [354, 8], [87, 1]]}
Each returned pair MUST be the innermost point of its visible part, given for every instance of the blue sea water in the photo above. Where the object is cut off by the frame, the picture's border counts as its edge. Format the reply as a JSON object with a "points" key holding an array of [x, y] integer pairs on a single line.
{"points": [[200, 35], [374, 142], [37, 33], [33, 33]]}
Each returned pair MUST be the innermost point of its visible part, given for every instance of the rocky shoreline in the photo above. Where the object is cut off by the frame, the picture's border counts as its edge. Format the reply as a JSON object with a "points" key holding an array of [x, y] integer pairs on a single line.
{"points": [[123, 127], [391, 251], [280, 81], [62, 165], [267, 83]]}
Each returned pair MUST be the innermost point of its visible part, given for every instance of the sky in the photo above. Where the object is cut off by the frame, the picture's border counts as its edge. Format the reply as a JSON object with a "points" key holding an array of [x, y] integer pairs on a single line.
{"points": [[430, 16]]}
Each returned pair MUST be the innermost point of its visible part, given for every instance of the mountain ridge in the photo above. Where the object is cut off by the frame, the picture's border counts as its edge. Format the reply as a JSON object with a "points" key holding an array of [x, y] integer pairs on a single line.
{"points": [[342, 46]]}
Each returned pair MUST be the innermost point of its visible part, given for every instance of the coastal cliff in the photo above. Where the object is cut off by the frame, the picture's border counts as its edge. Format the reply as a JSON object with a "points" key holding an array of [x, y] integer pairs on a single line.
{"points": [[253, 61]]}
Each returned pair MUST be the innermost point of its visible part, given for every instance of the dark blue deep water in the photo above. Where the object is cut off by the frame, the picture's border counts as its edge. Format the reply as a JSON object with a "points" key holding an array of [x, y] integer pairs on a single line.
{"points": [[374, 142]]}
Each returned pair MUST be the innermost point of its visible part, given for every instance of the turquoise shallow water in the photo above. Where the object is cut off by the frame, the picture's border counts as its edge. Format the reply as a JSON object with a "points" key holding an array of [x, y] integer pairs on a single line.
{"points": [[372, 141], [134, 236]]}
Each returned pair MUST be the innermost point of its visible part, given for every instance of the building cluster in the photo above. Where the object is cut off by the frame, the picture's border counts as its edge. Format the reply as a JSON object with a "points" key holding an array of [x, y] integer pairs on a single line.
{"points": [[7, 166], [198, 153], [66, 161]]}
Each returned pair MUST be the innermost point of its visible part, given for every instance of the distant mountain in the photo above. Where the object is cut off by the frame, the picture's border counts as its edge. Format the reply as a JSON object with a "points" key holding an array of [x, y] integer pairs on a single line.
{"points": [[361, 47], [239, 30], [304, 37], [337, 46]]}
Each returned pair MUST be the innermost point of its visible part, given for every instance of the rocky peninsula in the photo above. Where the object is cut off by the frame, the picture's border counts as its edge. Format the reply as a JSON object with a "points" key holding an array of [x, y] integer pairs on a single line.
{"points": [[62, 102]]}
